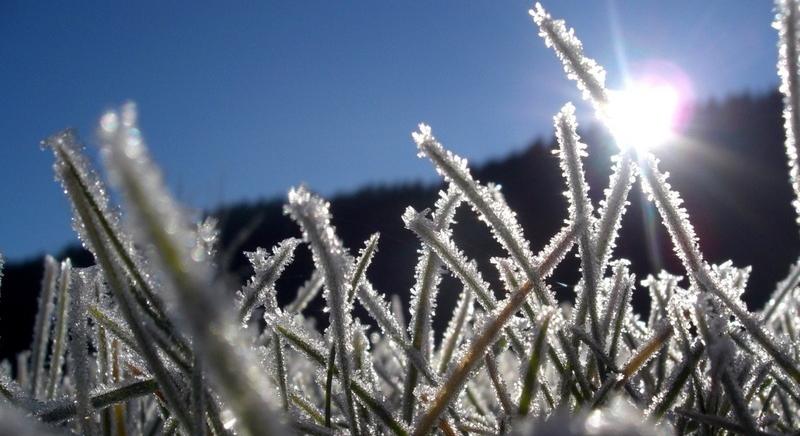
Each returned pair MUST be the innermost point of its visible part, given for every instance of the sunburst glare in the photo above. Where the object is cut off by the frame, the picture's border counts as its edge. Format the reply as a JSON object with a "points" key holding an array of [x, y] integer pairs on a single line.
{"points": [[643, 115]]}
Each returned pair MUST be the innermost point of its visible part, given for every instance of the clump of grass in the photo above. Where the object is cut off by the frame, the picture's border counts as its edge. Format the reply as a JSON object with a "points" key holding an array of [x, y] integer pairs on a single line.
{"points": [[149, 342]]}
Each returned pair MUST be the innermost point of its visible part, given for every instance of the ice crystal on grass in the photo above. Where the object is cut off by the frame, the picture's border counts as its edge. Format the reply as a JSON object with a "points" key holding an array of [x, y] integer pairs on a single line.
{"points": [[313, 216], [588, 74], [109, 357], [260, 290]]}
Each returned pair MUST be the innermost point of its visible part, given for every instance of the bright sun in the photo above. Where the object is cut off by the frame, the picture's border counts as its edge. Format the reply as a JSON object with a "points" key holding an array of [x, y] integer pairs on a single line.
{"points": [[643, 115]]}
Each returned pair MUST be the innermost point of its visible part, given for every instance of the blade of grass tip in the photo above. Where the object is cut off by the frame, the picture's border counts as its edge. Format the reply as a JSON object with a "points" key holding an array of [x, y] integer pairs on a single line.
{"points": [[159, 223], [60, 335], [570, 152], [588, 74], [500, 219], [454, 259], [79, 352], [456, 378], [363, 261], [86, 216], [313, 215], [786, 22], [441, 243], [267, 269], [329, 385], [84, 183], [535, 362], [423, 295], [380, 311], [42, 325]]}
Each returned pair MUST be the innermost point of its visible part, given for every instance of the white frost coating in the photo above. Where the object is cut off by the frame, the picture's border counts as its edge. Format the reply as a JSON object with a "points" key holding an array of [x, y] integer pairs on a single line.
{"points": [[427, 273], [148, 202], [78, 349], [500, 219], [613, 207], [509, 276], [675, 217], [312, 213], [42, 325], [80, 182], [60, 334], [380, 310], [260, 289], [455, 333], [442, 244], [570, 153], [358, 271], [786, 22], [556, 249], [661, 291], [71, 163], [588, 74], [159, 223], [681, 367]]}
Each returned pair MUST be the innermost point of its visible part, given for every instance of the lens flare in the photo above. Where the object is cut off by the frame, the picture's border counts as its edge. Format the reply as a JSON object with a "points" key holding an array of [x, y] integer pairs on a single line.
{"points": [[643, 115]]}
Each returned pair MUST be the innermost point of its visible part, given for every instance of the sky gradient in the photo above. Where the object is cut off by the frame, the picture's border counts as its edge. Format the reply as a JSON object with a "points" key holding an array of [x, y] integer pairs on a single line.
{"points": [[240, 103]]}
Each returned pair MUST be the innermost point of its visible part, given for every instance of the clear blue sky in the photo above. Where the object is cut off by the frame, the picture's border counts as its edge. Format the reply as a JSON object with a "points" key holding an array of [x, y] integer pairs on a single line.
{"points": [[242, 100]]}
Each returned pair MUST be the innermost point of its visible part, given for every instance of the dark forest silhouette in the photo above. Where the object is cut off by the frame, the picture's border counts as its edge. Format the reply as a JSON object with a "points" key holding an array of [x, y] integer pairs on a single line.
{"points": [[730, 168]]}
